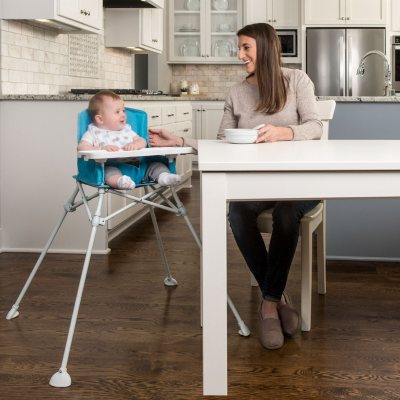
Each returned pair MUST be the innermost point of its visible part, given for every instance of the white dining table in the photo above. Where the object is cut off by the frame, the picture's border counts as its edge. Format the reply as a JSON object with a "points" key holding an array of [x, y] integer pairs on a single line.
{"points": [[298, 170]]}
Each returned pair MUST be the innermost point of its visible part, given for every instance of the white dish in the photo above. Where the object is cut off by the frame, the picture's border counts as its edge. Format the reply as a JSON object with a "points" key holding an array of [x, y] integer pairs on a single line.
{"points": [[224, 28], [240, 136], [192, 5], [220, 5], [188, 30]]}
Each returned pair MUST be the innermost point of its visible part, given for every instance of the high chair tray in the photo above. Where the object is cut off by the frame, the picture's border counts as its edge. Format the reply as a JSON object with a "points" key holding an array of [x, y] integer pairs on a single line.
{"points": [[150, 151]]}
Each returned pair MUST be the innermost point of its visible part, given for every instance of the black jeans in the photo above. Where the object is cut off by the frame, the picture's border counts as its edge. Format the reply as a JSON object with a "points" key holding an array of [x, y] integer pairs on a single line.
{"points": [[270, 268]]}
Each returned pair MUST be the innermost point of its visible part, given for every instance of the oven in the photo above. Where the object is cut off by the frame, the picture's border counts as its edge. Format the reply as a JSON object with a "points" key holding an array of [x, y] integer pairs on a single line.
{"points": [[288, 38], [396, 63]]}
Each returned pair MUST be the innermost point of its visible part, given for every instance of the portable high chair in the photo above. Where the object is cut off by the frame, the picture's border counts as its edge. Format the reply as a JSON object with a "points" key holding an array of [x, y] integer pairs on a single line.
{"points": [[91, 173]]}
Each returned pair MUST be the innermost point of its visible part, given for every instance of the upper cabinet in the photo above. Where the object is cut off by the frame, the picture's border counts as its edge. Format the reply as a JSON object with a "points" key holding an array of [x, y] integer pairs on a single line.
{"points": [[204, 31], [396, 15], [138, 29], [345, 12], [64, 15], [133, 3], [278, 13]]}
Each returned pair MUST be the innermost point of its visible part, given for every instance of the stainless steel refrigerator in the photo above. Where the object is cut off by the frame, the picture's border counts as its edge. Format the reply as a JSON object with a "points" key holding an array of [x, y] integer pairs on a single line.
{"points": [[333, 55]]}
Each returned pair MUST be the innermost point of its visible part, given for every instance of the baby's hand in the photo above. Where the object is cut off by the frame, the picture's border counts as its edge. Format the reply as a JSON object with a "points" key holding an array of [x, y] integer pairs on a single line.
{"points": [[136, 145], [111, 147]]}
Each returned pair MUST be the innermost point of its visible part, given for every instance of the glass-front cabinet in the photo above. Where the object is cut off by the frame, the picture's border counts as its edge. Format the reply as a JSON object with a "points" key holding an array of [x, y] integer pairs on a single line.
{"points": [[204, 31]]}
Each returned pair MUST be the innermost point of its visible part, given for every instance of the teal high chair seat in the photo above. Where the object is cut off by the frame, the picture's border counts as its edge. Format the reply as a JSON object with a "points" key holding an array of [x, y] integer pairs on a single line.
{"points": [[91, 175], [91, 172]]}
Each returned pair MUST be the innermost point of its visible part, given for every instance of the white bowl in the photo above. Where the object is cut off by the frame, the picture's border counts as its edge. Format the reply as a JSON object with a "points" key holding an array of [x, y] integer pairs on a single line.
{"points": [[241, 136]]}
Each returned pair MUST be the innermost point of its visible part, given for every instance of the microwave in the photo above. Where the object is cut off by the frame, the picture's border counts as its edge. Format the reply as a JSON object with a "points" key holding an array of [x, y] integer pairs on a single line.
{"points": [[288, 38]]}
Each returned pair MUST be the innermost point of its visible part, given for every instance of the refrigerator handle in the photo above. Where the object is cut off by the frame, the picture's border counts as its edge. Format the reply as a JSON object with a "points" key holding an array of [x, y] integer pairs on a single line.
{"points": [[350, 65], [341, 66]]}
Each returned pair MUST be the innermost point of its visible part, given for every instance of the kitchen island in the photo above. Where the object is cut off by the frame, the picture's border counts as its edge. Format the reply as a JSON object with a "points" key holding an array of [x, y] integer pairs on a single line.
{"points": [[364, 229]]}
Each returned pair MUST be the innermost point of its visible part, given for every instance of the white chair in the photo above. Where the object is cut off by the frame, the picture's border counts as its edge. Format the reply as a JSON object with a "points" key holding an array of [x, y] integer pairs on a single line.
{"points": [[313, 221]]}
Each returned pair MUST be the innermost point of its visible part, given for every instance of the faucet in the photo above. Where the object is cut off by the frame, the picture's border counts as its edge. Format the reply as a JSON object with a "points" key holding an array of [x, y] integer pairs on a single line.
{"points": [[388, 73]]}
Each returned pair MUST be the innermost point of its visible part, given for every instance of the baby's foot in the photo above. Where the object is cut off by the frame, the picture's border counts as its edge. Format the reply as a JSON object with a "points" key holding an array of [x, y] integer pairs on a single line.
{"points": [[167, 179], [125, 182]]}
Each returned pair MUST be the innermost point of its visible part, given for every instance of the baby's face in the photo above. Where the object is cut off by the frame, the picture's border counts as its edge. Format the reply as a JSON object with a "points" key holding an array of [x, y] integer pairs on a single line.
{"points": [[112, 114]]}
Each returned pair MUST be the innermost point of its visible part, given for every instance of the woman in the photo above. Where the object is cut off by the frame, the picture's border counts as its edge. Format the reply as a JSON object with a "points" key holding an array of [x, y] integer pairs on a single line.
{"points": [[283, 100]]}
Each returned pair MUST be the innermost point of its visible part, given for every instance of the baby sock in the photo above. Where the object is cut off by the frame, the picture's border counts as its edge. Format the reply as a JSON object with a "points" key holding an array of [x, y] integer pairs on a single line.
{"points": [[167, 179], [125, 182]]}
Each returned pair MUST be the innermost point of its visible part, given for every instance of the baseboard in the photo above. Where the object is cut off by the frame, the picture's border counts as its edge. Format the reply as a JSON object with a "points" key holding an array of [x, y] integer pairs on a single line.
{"points": [[357, 258], [56, 251]]}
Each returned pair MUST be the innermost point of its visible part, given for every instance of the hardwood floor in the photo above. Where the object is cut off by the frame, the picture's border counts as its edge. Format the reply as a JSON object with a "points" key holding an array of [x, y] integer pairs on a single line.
{"points": [[136, 339]]}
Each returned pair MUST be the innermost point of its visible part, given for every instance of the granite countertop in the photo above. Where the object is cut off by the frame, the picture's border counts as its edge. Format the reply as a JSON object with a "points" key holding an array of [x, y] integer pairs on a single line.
{"points": [[85, 97], [362, 99]]}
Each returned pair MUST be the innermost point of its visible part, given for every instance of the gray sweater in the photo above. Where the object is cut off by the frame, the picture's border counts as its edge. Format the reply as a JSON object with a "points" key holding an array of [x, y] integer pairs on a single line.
{"points": [[299, 112]]}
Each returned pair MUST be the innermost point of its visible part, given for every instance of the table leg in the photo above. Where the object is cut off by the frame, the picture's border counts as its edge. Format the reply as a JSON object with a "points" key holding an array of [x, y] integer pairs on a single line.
{"points": [[213, 225]]}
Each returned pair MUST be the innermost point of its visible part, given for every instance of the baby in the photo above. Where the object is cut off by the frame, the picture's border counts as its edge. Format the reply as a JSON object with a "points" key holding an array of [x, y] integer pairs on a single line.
{"points": [[109, 131]]}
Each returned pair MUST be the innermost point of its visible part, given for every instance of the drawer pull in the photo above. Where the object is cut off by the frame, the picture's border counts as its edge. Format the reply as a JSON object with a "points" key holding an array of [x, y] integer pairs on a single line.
{"points": [[170, 115], [186, 130], [186, 113], [155, 116]]}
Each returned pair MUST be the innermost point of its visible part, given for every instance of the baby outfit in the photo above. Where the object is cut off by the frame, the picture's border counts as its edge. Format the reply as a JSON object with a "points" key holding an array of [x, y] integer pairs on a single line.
{"points": [[156, 170]]}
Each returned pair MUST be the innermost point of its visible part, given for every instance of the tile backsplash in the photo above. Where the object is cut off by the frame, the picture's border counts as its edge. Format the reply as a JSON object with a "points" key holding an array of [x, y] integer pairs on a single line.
{"points": [[36, 60], [213, 80]]}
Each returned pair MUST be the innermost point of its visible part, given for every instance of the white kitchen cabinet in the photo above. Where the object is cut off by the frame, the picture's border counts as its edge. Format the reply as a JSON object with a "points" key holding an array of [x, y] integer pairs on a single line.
{"points": [[174, 116], [140, 29], [345, 12], [204, 31], [278, 13], [207, 117], [396, 15], [65, 15]]}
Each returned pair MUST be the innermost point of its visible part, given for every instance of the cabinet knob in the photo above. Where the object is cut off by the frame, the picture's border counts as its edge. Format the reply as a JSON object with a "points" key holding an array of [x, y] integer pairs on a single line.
{"points": [[186, 130], [348, 18], [204, 110], [269, 20], [274, 20]]}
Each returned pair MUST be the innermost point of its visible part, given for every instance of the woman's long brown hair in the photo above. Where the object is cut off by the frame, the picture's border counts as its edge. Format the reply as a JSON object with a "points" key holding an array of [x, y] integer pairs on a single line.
{"points": [[270, 80]]}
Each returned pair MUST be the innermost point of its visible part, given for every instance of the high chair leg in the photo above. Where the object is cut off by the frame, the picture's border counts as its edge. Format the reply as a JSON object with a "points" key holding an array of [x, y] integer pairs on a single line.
{"points": [[243, 329], [13, 313], [169, 280], [62, 378]]}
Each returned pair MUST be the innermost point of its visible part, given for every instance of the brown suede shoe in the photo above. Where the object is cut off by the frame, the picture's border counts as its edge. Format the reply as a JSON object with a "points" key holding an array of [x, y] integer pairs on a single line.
{"points": [[271, 335], [290, 318]]}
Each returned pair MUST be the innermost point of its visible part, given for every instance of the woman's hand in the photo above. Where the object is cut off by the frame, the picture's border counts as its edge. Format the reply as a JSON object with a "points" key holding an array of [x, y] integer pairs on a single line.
{"points": [[271, 133], [159, 137]]}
